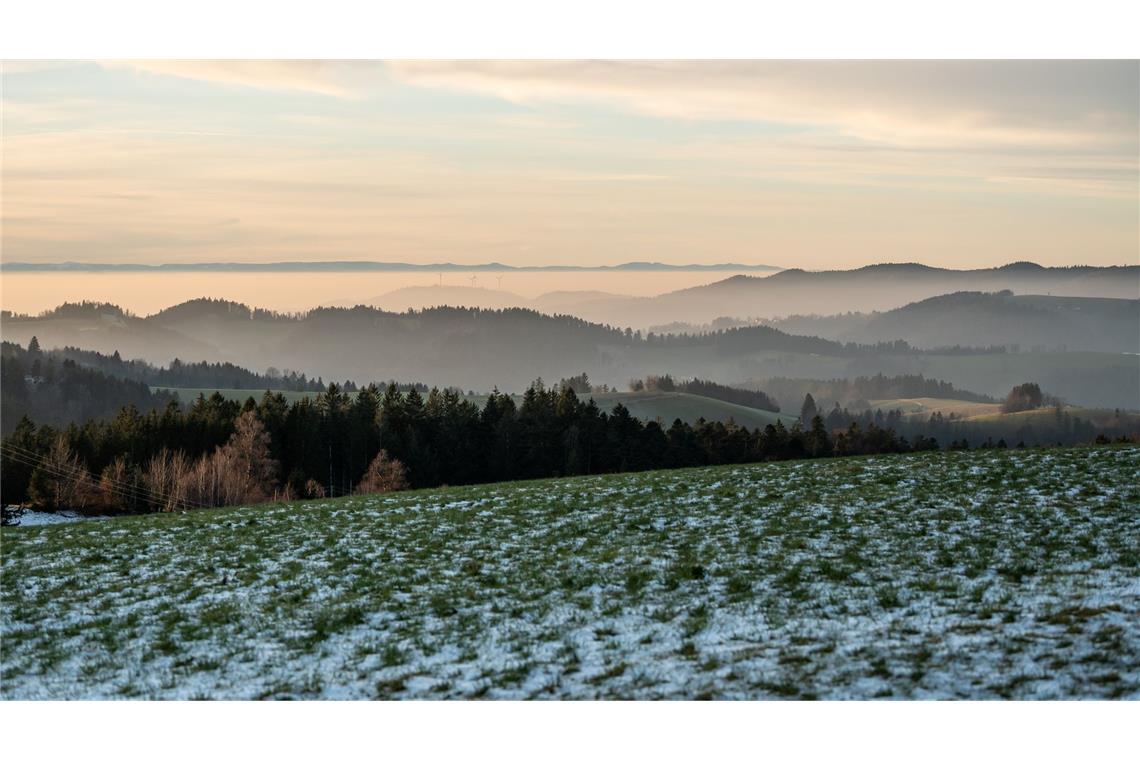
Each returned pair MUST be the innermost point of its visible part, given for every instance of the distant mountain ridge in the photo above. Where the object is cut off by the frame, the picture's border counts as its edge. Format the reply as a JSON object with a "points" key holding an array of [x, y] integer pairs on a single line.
{"points": [[741, 296], [877, 287], [920, 272], [751, 299], [373, 266]]}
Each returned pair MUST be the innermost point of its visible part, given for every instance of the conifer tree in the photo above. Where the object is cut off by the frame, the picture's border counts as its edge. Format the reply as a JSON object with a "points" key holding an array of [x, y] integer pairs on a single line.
{"points": [[818, 441], [808, 411]]}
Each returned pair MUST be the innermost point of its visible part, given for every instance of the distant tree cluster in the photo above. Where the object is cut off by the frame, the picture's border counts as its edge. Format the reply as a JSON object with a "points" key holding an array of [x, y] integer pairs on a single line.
{"points": [[697, 387], [578, 384], [1022, 398], [753, 338], [226, 375]]}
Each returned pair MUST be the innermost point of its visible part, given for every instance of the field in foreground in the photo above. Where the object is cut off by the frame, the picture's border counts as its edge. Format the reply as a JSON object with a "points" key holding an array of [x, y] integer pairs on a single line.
{"points": [[943, 575]]}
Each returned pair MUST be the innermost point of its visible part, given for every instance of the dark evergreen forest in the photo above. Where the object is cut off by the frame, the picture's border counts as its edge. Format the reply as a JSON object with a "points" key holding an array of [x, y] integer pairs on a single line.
{"points": [[325, 446]]}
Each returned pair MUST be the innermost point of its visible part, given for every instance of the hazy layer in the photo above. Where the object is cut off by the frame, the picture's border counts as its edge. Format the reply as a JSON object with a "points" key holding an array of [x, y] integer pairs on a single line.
{"points": [[145, 293]]}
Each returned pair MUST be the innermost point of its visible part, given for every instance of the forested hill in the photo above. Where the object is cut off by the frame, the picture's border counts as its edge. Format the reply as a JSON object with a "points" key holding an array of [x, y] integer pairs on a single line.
{"points": [[446, 346], [65, 385], [1028, 322], [178, 374], [55, 390], [480, 349]]}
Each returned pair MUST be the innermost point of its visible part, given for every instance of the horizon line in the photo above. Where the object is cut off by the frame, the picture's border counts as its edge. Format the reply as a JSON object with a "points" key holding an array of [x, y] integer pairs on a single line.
{"points": [[377, 266], [494, 266]]}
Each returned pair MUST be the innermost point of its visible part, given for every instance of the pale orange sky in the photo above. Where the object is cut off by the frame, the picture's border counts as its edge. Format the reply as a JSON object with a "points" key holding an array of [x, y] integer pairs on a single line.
{"points": [[811, 164]]}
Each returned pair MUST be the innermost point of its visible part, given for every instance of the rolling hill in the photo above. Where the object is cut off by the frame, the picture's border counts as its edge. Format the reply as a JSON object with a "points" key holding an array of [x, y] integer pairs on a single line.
{"points": [[924, 407], [903, 576], [688, 407], [469, 348], [1083, 378], [481, 349], [1031, 322]]}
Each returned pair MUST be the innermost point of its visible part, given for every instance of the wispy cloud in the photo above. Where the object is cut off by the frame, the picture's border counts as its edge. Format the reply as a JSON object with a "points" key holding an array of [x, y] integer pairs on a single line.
{"points": [[608, 177], [971, 103], [341, 79]]}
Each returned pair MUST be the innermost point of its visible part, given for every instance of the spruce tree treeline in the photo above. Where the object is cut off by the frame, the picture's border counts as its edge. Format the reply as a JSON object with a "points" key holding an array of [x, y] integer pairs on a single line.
{"points": [[332, 445], [441, 438]]}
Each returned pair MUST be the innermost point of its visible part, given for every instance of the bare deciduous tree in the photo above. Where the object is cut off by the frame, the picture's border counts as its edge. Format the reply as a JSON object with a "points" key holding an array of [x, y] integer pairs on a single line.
{"points": [[61, 481], [240, 472], [384, 474], [120, 487], [165, 478]]}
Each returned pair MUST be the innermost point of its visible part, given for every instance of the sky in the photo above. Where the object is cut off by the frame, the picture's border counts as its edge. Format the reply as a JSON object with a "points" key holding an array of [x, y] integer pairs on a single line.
{"points": [[814, 164]]}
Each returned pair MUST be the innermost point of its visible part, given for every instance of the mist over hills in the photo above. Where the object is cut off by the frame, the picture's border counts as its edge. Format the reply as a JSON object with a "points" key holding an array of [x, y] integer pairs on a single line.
{"points": [[425, 297], [484, 348], [899, 320], [473, 348], [373, 266], [878, 287], [964, 318], [968, 318]]}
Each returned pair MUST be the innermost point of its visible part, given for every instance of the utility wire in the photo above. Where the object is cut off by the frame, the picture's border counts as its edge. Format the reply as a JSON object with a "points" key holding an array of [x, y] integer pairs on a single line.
{"points": [[120, 488]]}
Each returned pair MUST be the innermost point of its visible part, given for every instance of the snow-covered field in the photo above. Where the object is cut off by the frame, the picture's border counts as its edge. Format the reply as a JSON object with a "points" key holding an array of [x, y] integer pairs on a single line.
{"points": [[31, 517], [947, 575]]}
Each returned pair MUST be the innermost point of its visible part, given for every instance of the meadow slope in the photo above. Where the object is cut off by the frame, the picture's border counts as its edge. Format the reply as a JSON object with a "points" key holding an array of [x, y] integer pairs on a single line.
{"points": [[1011, 574]]}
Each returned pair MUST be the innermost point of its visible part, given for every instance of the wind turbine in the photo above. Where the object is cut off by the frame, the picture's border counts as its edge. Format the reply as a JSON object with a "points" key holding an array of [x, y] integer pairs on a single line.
{"points": [[472, 278], [500, 279]]}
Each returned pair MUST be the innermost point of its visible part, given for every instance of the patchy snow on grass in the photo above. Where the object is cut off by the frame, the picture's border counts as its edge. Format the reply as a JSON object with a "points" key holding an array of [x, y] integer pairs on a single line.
{"points": [[32, 517], [1011, 574]]}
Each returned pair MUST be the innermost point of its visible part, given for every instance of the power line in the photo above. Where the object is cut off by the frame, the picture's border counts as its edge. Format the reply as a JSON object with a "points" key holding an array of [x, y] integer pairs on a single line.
{"points": [[120, 488], [115, 490]]}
